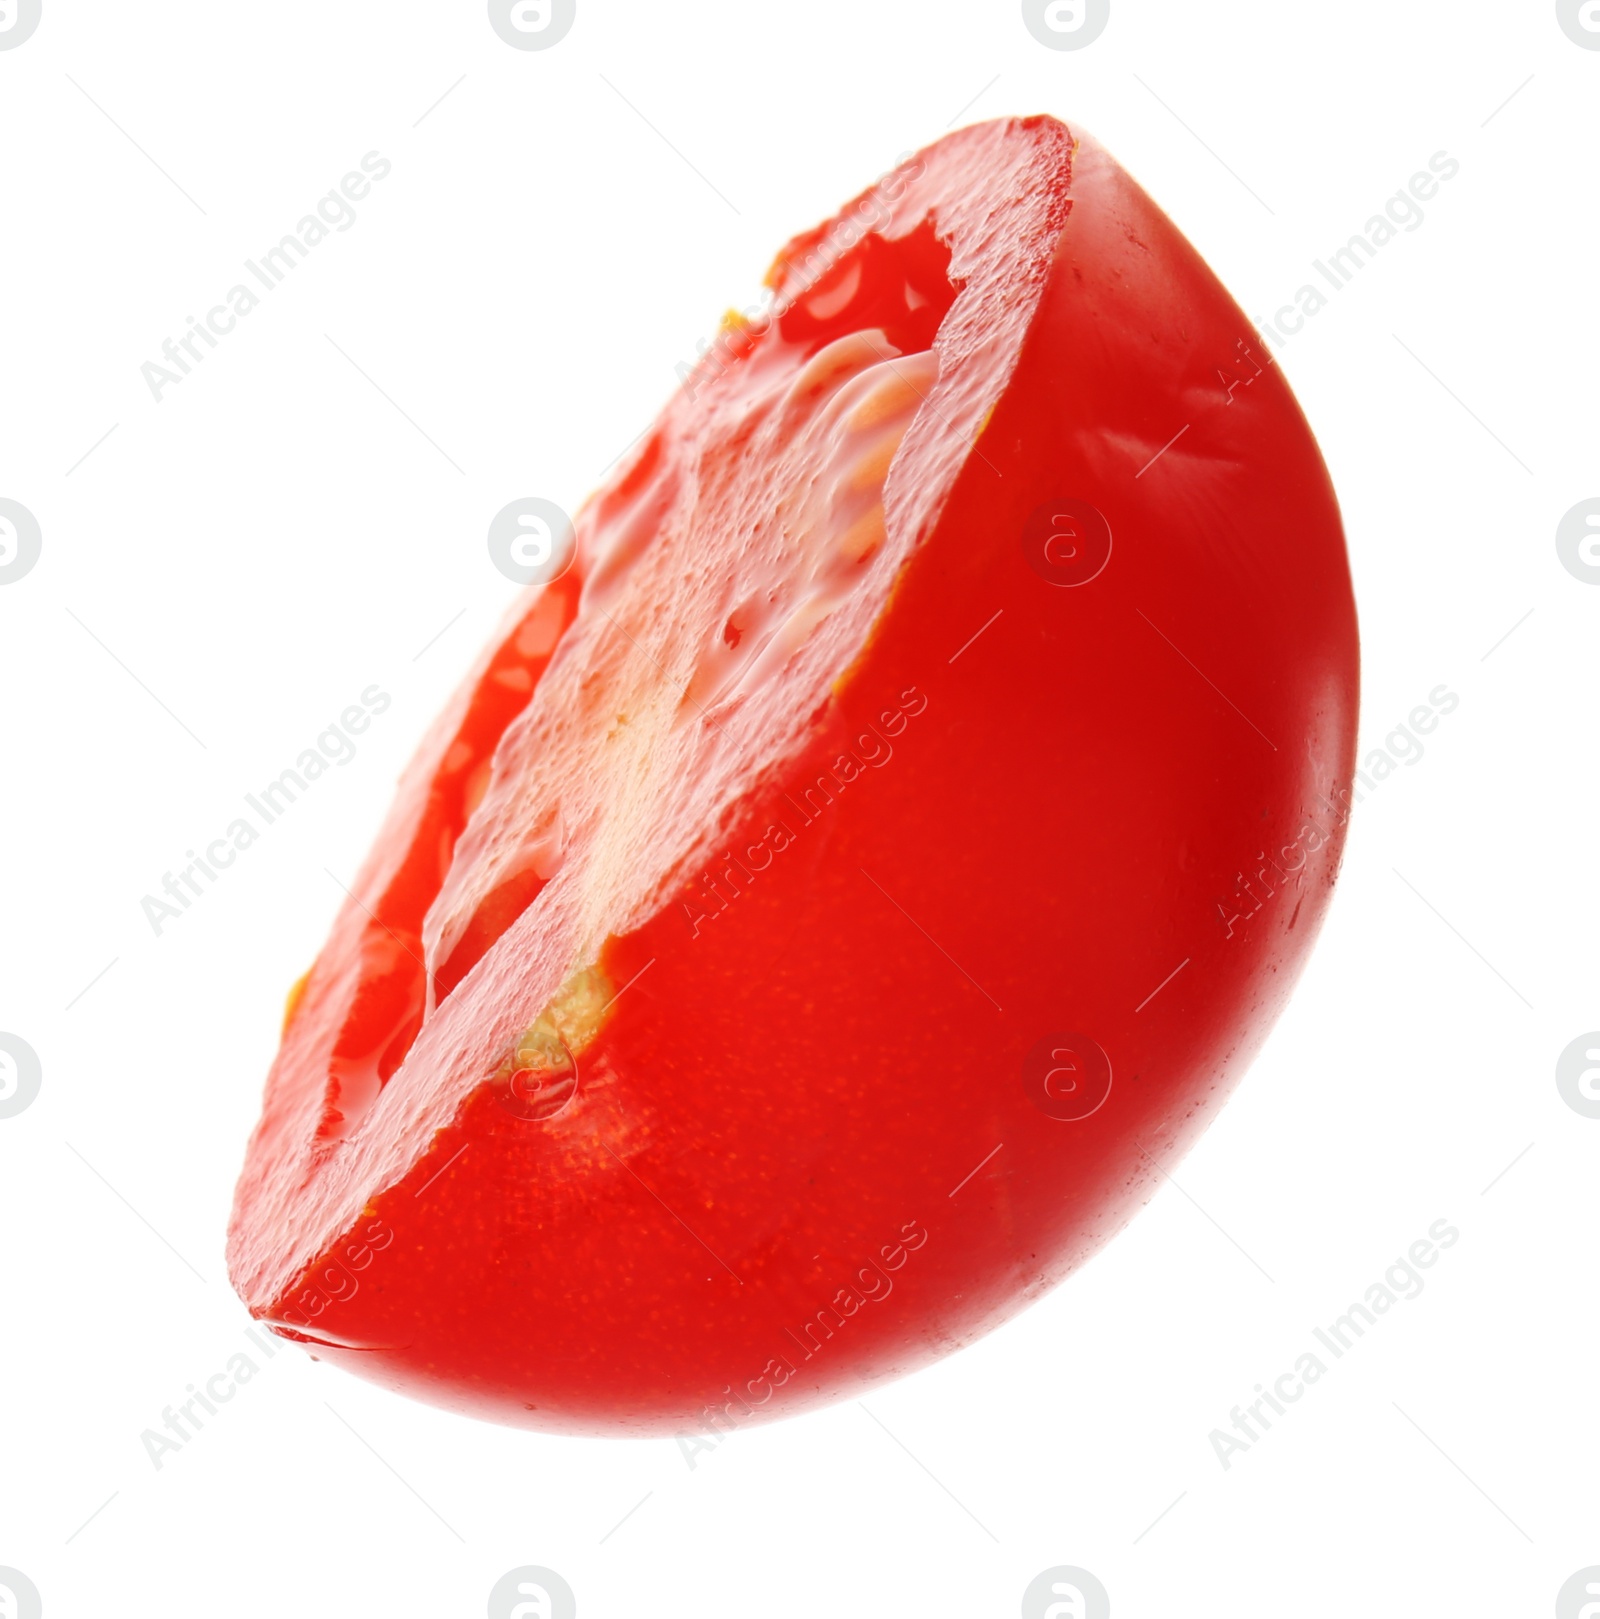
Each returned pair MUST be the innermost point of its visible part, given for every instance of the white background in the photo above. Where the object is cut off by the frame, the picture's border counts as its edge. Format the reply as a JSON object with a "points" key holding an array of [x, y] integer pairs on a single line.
{"points": [[230, 568]]}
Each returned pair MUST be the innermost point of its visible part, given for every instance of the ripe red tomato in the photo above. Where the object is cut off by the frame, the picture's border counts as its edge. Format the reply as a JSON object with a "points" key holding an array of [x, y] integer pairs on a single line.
{"points": [[829, 905]]}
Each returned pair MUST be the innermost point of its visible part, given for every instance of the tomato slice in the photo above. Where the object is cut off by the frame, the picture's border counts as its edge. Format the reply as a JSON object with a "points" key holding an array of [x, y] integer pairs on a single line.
{"points": [[828, 906]]}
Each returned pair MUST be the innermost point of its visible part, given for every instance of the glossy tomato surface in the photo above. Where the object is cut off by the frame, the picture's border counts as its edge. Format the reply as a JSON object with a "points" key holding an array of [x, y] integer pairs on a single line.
{"points": [[833, 901]]}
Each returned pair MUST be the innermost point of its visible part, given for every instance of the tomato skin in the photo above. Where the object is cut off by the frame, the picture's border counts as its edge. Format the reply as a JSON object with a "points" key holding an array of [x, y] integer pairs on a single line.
{"points": [[810, 1151]]}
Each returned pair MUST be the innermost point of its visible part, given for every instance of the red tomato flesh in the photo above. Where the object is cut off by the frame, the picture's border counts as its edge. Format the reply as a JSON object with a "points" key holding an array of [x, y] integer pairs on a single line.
{"points": [[966, 651]]}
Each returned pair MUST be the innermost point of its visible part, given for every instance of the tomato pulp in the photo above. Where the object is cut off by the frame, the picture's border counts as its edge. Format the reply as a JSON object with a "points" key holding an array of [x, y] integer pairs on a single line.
{"points": [[831, 903]]}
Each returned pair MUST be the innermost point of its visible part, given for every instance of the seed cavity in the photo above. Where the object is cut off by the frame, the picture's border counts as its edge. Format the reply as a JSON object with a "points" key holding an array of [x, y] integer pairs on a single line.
{"points": [[539, 1079]]}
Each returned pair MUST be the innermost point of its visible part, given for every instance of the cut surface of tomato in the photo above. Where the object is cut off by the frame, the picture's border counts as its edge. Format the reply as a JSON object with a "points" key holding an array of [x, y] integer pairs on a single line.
{"points": [[749, 997]]}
